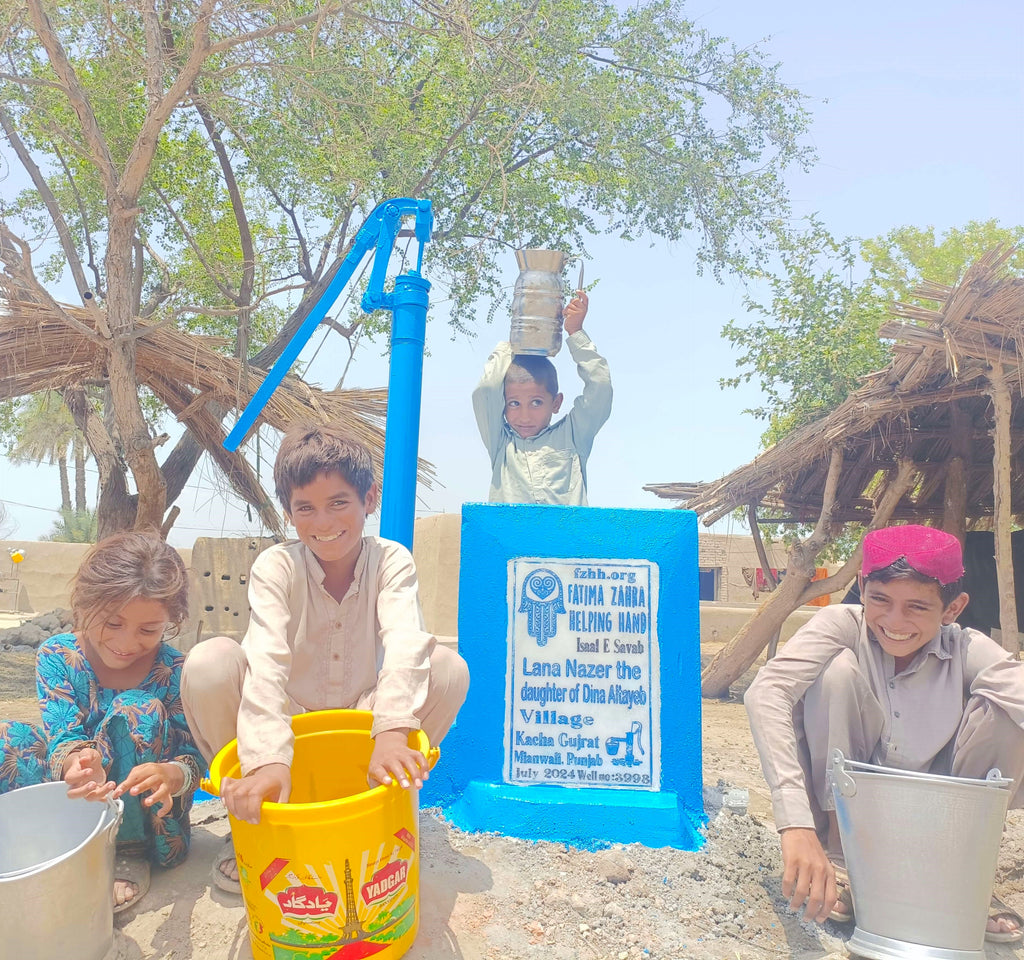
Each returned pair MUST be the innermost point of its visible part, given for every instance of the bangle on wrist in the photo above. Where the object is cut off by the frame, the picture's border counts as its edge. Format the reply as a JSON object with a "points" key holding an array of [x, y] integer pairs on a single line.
{"points": [[188, 780]]}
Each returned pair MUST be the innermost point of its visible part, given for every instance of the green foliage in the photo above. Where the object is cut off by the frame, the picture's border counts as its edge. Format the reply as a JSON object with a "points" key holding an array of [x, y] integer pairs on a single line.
{"points": [[844, 540], [9, 422], [525, 123], [907, 255], [837, 550], [817, 336], [74, 526]]}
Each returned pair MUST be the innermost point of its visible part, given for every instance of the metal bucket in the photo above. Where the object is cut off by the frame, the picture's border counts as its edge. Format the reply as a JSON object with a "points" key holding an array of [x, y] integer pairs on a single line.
{"points": [[56, 873], [537, 302], [921, 852]]}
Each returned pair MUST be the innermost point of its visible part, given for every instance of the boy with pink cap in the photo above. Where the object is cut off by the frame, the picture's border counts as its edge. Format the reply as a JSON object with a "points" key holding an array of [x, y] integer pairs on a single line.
{"points": [[894, 681]]}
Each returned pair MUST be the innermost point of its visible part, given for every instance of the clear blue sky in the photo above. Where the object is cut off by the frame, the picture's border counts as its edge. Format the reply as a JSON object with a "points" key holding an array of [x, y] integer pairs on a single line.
{"points": [[917, 119]]}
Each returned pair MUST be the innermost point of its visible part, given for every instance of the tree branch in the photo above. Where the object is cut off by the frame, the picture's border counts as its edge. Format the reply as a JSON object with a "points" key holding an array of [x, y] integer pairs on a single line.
{"points": [[245, 288], [67, 242], [211, 272], [894, 491], [640, 71], [20, 266], [75, 92], [762, 555]]}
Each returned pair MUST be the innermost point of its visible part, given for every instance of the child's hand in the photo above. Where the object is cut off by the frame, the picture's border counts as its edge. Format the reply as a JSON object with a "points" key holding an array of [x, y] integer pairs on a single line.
{"points": [[161, 780], [394, 759], [85, 776], [574, 314], [244, 797], [808, 878]]}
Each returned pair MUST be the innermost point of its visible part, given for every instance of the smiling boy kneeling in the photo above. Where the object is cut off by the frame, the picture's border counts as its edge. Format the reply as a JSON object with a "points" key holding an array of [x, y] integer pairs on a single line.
{"points": [[335, 623], [895, 682]]}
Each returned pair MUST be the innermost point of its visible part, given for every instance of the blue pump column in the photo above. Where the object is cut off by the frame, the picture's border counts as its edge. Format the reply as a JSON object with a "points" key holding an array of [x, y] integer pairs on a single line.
{"points": [[408, 303], [405, 379]]}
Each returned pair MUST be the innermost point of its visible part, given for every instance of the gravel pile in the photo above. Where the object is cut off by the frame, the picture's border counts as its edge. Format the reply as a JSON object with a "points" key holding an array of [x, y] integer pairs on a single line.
{"points": [[538, 899], [27, 637]]}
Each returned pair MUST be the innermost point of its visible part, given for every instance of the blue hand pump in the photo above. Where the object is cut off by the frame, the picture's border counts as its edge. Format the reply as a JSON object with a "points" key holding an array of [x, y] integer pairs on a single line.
{"points": [[408, 304]]}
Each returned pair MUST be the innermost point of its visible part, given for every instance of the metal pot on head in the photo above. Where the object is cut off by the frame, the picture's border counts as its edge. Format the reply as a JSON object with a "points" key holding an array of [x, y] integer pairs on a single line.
{"points": [[538, 300]]}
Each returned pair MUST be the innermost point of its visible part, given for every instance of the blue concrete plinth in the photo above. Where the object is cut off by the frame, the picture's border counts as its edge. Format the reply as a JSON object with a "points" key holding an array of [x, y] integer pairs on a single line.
{"points": [[589, 820], [582, 723]]}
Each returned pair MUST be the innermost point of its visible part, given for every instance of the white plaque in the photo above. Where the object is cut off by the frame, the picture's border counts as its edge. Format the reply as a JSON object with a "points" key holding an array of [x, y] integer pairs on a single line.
{"points": [[582, 689]]}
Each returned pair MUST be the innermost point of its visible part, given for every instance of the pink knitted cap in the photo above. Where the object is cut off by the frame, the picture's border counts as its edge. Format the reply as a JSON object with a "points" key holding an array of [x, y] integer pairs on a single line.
{"points": [[932, 552]]}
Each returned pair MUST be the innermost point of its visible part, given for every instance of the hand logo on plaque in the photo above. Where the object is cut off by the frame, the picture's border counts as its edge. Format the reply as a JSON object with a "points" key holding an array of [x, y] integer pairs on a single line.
{"points": [[541, 601]]}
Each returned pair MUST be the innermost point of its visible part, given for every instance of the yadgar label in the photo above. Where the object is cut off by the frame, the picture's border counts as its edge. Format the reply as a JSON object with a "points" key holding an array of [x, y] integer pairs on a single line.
{"points": [[582, 694]]}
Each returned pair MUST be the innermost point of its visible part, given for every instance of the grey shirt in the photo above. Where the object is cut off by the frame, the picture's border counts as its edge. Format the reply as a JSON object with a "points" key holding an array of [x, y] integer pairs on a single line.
{"points": [[552, 466], [922, 705]]}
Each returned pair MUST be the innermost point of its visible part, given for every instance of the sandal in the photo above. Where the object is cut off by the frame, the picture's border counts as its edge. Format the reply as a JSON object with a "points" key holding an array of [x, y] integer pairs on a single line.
{"points": [[842, 912], [135, 870], [220, 879], [1000, 911]]}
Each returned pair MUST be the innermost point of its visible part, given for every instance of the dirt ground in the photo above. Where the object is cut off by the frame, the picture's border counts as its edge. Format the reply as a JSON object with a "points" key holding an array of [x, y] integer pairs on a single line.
{"points": [[488, 897]]}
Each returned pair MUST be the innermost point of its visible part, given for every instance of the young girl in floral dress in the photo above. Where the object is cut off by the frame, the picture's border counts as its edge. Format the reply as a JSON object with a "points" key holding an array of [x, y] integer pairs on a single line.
{"points": [[112, 723]]}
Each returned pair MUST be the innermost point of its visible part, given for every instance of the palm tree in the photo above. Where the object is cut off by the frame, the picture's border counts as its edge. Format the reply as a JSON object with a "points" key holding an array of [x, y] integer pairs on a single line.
{"points": [[46, 432], [74, 526]]}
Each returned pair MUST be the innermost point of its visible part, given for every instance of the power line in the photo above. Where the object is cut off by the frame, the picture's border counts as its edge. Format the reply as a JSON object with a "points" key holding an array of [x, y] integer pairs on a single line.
{"points": [[30, 506]]}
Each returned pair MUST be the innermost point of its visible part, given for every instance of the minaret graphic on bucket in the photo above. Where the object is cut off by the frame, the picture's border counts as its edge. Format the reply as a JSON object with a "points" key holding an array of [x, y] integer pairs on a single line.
{"points": [[537, 302]]}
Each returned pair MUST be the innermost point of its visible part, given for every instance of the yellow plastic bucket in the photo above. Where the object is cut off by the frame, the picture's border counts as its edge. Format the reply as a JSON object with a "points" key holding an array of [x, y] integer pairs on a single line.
{"points": [[333, 874]]}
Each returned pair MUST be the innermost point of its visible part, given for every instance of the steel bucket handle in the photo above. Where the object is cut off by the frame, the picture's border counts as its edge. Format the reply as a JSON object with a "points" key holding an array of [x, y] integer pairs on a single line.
{"points": [[115, 824], [843, 782], [847, 786], [579, 283]]}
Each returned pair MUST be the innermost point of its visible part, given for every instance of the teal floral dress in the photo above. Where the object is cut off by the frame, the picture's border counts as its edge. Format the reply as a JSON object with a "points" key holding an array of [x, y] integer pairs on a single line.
{"points": [[128, 727]]}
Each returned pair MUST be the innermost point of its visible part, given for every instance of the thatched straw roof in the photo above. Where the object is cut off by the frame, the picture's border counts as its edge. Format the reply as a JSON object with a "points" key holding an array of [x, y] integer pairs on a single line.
{"points": [[933, 394], [40, 350]]}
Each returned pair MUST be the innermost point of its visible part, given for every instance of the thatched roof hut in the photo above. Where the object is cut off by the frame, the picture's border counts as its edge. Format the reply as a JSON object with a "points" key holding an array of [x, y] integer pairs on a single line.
{"points": [[936, 437], [49, 346], [931, 405]]}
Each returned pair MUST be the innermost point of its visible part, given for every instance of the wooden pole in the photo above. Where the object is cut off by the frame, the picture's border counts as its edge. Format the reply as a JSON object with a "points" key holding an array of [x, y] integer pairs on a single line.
{"points": [[1002, 519], [739, 653], [762, 555], [954, 497]]}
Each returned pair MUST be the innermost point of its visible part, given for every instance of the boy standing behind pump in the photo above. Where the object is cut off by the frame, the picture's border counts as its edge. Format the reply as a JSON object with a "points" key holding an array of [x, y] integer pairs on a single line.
{"points": [[533, 460]]}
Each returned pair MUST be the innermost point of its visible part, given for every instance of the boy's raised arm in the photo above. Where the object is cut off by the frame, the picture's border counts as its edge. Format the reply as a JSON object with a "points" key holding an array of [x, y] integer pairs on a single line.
{"points": [[489, 398], [591, 409]]}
